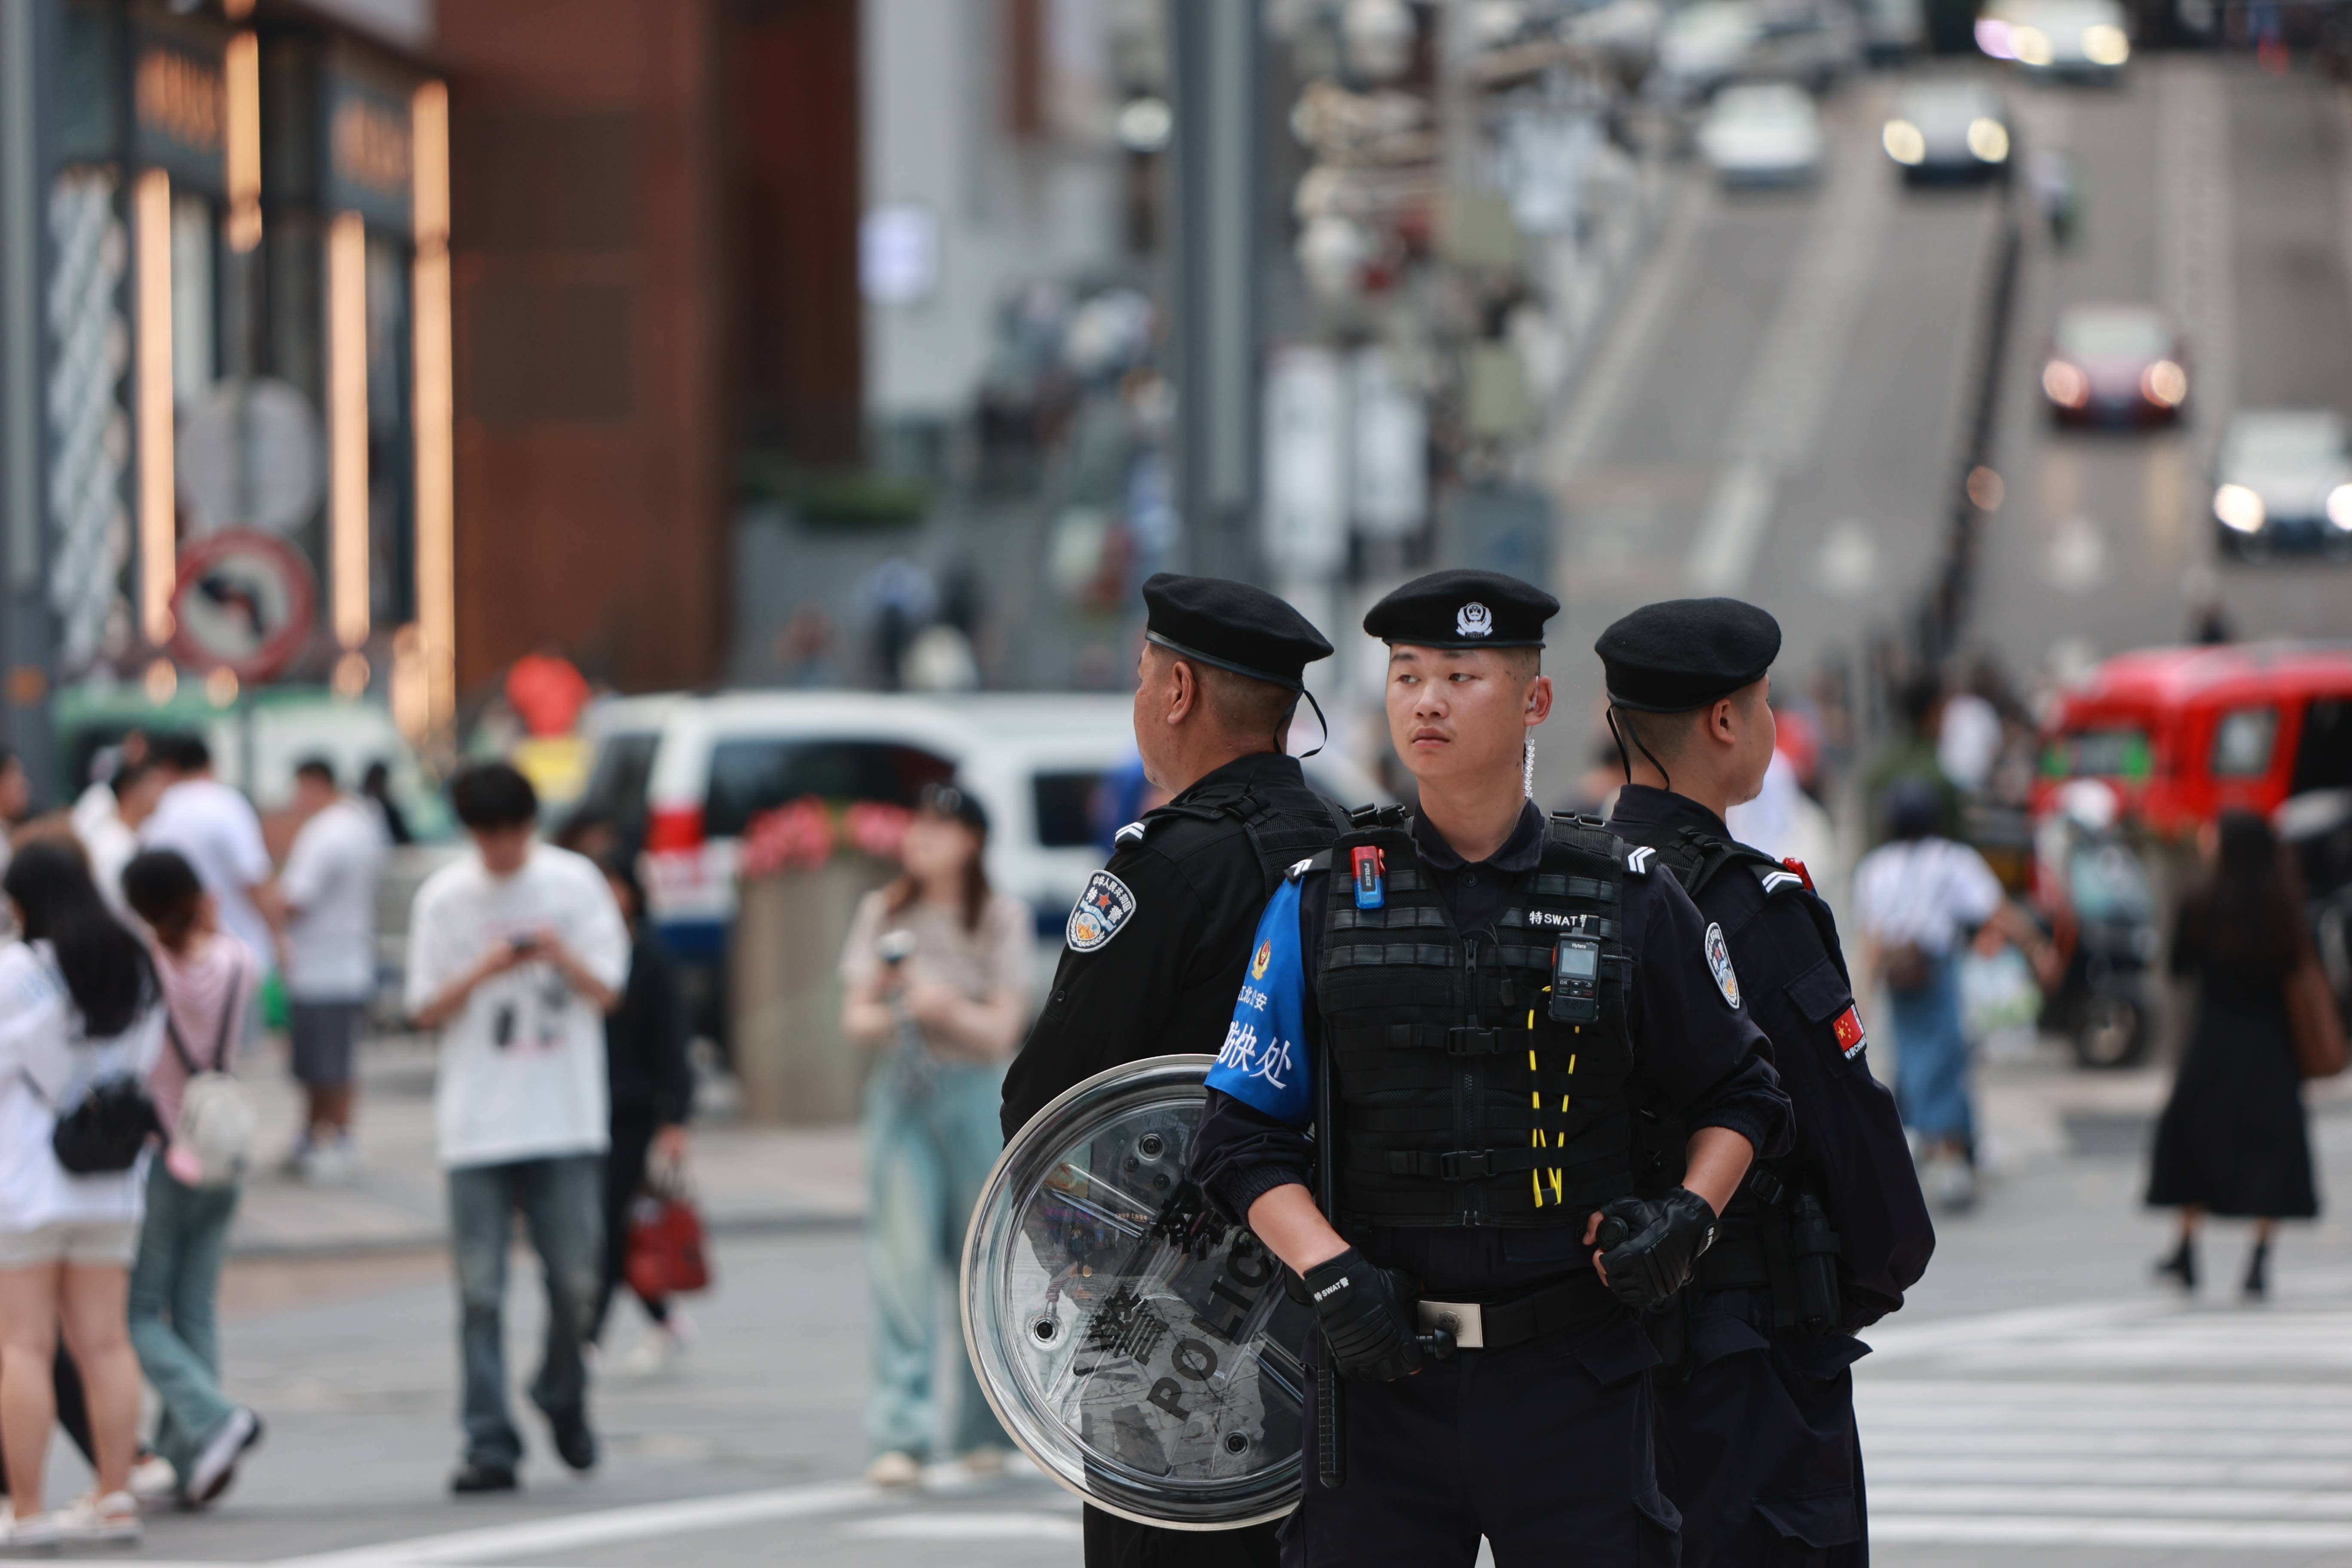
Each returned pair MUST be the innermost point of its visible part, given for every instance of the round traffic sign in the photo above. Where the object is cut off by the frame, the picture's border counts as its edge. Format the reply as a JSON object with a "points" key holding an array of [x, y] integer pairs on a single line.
{"points": [[245, 603]]}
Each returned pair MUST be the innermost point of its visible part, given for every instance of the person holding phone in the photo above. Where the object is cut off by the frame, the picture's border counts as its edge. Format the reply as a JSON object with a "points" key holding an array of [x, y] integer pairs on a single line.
{"points": [[518, 954], [937, 967]]}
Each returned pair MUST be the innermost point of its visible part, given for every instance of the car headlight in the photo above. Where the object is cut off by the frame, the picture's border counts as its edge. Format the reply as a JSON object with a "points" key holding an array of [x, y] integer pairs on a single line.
{"points": [[2105, 45], [2239, 508], [2164, 383], [2339, 507], [2065, 384], [1988, 139], [1904, 142], [2031, 46]]}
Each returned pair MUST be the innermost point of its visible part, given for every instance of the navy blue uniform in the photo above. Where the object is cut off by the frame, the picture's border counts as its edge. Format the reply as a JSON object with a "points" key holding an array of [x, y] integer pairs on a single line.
{"points": [[1757, 1439], [1544, 1447]]}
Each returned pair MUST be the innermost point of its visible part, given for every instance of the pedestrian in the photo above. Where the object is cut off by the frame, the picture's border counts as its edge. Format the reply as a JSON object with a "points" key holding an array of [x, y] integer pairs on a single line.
{"points": [[2234, 1139], [218, 832], [16, 798], [78, 1013], [328, 892], [107, 820], [1920, 896], [651, 1087], [937, 970], [1757, 1440], [209, 982], [517, 954], [376, 788], [1156, 945], [1481, 996]]}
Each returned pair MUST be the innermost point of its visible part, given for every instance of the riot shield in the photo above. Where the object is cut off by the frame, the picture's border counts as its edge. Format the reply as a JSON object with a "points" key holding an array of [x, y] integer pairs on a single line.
{"points": [[1139, 1349]]}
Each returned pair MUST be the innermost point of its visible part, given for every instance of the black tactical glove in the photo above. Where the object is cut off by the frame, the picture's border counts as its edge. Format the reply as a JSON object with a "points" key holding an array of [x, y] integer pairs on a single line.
{"points": [[1651, 1257], [1369, 1330]]}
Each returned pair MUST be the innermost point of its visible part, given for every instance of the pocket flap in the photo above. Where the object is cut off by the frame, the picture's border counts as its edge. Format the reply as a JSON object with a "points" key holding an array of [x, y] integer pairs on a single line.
{"points": [[1820, 993], [1613, 1354], [1715, 1335], [1822, 1520]]}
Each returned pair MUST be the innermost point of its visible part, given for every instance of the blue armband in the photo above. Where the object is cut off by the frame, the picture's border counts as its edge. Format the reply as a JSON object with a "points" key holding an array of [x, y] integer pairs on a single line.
{"points": [[1265, 1062]]}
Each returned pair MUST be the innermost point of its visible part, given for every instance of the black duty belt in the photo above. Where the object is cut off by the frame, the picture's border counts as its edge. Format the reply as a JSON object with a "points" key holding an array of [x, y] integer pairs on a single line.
{"points": [[1571, 1304]]}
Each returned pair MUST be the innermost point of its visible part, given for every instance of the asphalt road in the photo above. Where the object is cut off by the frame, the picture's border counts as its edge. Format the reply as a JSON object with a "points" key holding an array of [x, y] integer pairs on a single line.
{"points": [[2038, 1402], [1782, 417]]}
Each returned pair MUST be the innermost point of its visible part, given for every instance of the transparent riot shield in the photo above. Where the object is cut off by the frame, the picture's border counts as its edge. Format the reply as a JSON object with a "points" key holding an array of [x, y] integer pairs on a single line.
{"points": [[1139, 1349]]}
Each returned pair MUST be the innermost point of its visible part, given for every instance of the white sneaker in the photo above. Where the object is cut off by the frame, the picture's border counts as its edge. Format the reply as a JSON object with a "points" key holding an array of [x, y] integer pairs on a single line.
{"points": [[332, 1163], [1956, 1185], [34, 1533], [657, 1352], [895, 1469], [112, 1519], [216, 1468], [152, 1480]]}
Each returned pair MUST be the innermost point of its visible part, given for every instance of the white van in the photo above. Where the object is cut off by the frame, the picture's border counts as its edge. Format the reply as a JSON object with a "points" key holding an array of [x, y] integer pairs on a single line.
{"points": [[683, 774]]}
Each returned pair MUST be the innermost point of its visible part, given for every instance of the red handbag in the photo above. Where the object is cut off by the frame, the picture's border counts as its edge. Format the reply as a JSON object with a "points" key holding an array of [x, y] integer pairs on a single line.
{"points": [[665, 1255]]}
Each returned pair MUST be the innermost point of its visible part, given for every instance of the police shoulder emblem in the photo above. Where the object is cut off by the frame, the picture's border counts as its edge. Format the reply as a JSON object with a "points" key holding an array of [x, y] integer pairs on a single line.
{"points": [[1474, 620], [1718, 961], [1100, 913], [1258, 963]]}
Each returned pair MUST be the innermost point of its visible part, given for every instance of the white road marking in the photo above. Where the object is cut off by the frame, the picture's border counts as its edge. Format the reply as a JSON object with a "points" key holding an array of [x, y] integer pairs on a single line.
{"points": [[2077, 558], [1777, 417], [1847, 566], [2196, 266], [969, 1527], [2043, 1427]]}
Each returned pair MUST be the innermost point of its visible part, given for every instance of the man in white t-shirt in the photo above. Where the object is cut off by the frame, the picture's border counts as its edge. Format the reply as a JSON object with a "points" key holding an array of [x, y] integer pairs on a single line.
{"points": [[216, 829], [516, 953], [328, 890]]}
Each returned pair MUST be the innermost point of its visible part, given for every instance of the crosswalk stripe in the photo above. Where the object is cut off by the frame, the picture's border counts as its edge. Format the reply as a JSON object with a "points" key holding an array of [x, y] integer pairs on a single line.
{"points": [[2024, 1430]]}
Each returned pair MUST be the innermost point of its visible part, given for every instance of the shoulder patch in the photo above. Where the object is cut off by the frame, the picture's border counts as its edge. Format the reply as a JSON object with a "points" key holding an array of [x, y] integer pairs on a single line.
{"points": [[1718, 964], [1637, 862], [1778, 879], [1101, 913], [1301, 868], [1131, 834]]}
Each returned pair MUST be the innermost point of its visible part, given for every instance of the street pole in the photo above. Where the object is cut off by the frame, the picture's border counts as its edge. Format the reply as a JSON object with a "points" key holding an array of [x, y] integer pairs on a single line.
{"points": [[1217, 51], [29, 41]]}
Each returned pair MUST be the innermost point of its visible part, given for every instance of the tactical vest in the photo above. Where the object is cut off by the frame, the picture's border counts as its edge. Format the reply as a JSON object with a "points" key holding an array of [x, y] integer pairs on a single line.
{"points": [[1462, 1100], [1286, 823]]}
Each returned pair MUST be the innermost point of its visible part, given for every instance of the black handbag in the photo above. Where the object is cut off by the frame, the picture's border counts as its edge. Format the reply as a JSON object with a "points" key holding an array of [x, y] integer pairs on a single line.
{"points": [[106, 1128]]}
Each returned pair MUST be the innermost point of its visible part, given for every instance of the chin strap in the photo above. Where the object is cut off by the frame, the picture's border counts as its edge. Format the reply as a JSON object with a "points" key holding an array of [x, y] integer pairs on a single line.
{"points": [[1617, 733], [1319, 720]]}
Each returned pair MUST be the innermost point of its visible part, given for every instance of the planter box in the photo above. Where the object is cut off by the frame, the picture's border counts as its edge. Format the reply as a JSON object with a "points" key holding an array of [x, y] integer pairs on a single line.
{"points": [[784, 987]]}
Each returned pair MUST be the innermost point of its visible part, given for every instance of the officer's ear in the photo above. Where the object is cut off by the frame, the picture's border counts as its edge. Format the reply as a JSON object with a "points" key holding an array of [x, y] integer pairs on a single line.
{"points": [[1539, 700]]}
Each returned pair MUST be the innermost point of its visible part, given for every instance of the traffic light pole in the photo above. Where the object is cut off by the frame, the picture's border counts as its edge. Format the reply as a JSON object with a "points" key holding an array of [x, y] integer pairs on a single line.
{"points": [[28, 43]]}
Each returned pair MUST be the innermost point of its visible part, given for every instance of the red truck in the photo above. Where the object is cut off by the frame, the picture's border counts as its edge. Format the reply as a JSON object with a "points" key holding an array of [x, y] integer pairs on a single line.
{"points": [[2183, 733]]}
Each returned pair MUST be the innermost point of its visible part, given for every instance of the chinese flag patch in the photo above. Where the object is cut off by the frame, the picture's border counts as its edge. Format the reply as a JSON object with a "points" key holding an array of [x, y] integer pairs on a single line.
{"points": [[1850, 1038]]}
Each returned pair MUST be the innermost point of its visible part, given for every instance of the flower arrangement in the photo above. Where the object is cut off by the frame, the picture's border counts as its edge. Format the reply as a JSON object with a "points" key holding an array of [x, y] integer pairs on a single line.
{"points": [[806, 833]]}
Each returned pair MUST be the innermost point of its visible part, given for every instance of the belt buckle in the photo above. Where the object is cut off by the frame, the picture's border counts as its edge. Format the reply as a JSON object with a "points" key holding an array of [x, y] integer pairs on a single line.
{"points": [[1466, 1321], [1462, 1040]]}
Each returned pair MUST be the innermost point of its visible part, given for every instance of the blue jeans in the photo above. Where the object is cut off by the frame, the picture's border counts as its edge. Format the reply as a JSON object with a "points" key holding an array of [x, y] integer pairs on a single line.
{"points": [[1931, 1064], [927, 1155], [173, 1326], [561, 1199]]}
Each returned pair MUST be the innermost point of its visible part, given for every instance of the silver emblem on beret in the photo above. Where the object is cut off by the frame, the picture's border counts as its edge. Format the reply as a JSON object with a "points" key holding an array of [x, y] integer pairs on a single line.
{"points": [[1474, 620]]}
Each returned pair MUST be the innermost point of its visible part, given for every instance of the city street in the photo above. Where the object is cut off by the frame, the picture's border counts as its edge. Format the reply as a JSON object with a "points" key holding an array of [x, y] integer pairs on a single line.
{"points": [[1782, 411], [2039, 1403]]}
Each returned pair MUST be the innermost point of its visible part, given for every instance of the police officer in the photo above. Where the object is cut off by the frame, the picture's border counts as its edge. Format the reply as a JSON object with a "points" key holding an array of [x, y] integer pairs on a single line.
{"points": [[1155, 946], [1755, 1432], [1474, 994]]}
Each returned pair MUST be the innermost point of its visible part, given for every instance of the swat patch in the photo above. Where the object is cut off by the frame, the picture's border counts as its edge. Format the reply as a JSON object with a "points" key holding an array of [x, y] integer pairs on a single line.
{"points": [[1100, 913], [1718, 962]]}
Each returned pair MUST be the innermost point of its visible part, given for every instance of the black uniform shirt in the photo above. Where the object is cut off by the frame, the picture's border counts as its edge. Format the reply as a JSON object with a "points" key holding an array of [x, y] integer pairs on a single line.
{"points": [[1689, 1049], [1164, 979], [1850, 1139]]}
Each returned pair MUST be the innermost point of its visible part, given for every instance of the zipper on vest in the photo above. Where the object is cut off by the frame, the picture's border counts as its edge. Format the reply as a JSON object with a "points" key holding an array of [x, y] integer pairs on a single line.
{"points": [[1476, 1201]]}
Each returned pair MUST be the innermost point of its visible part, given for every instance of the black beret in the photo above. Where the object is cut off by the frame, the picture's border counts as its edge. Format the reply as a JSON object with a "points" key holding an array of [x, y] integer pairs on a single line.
{"points": [[1682, 654], [1464, 609], [1234, 626]]}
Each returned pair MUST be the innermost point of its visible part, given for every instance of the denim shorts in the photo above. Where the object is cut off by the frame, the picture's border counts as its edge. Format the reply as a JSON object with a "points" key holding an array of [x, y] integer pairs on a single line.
{"points": [[72, 1241]]}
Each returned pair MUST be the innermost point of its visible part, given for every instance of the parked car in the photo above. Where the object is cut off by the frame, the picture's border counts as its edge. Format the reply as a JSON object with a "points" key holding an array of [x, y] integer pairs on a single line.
{"points": [[2114, 364], [1763, 134], [2182, 733], [2283, 481], [682, 776], [1949, 128]]}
